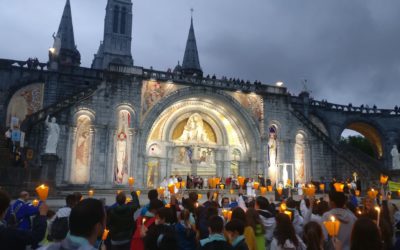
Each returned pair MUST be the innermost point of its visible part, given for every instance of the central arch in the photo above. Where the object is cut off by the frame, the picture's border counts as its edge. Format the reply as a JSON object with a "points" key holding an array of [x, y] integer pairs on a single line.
{"points": [[229, 129]]}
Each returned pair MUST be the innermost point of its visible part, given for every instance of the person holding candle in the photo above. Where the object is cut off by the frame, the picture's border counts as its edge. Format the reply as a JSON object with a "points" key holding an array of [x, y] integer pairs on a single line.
{"points": [[143, 223], [186, 232], [19, 213], [14, 238], [253, 220], [59, 224], [313, 236], [121, 223], [248, 233], [346, 218]]}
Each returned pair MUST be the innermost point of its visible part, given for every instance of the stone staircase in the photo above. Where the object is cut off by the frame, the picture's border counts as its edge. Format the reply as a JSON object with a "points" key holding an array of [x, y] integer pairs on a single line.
{"points": [[366, 168], [41, 115]]}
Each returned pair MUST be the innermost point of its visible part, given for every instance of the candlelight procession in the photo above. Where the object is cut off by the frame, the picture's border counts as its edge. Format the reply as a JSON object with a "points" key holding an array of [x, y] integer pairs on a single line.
{"points": [[234, 213]]}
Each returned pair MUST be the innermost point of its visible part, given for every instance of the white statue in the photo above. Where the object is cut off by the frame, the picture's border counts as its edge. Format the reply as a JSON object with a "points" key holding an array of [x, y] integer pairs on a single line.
{"points": [[121, 155], [395, 158], [53, 135], [285, 175], [194, 130]]}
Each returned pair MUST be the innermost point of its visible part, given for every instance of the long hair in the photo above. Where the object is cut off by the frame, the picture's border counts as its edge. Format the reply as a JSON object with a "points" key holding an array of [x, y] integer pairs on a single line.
{"points": [[253, 219], [365, 235], [312, 236], [238, 213], [285, 230]]}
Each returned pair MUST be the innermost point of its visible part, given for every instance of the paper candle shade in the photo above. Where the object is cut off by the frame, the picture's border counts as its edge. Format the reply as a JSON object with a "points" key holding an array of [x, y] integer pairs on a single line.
{"points": [[279, 189], [241, 180], [138, 193], [357, 192], [229, 215], [372, 193], [338, 187], [177, 185], [221, 186], [310, 190], [171, 188], [42, 191], [35, 203], [90, 193], [231, 191], [288, 213], [128, 199], [269, 188], [384, 179], [105, 234], [183, 184], [283, 207], [160, 190], [322, 187], [215, 195], [168, 205], [119, 191], [263, 190], [332, 226], [199, 196], [256, 185], [225, 213], [131, 181]]}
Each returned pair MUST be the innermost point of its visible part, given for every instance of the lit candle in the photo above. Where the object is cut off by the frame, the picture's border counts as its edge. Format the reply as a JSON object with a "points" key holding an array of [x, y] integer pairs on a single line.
{"points": [[232, 191], [225, 213], [378, 209], [339, 187], [168, 205], [229, 215], [196, 205], [241, 180], [131, 181], [279, 189], [171, 188], [221, 186], [256, 185], [43, 192], [91, 193], [263, 190], [215, 195], [283, 207], [143, 221], [357, 192], [372, 193], [128, 199], [332, 226], [119, 191], [105, 234], [199, 196], [289, 213], [35, 202], [269, 188], [383, 179], [138, 193], [322, 187], [160, 190]]}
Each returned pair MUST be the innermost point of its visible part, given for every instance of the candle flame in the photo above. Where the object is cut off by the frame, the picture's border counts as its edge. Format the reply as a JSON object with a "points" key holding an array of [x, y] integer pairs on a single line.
{"points": [[333, 219]]}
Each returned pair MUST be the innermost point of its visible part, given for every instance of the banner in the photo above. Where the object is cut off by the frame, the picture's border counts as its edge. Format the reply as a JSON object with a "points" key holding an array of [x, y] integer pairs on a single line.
{"points": [[394, 186]]}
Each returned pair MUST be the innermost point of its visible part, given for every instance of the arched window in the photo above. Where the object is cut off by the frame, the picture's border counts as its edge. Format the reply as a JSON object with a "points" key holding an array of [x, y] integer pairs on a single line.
{"points": [[123, 20], [115, 21], [80, 172]]}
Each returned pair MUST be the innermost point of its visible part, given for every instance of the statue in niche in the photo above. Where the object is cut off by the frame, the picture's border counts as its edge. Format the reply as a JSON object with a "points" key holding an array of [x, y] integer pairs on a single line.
{"points": [[53, 135], [299, 162], [152, 173], [395, 157], [82, 151], [122, 147], [194, 130], [272, 153]]}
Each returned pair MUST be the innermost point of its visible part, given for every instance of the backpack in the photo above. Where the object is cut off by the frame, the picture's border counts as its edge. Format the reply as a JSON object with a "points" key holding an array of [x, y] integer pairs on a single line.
{"points": [[59, 229], [12, 220]]}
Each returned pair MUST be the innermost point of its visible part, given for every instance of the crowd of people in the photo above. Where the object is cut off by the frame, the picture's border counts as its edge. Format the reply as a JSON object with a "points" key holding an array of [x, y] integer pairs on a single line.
{"points": [[185, 222]]}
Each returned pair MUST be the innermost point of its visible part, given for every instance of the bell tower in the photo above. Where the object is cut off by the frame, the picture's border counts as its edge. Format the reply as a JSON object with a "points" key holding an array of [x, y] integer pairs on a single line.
{"points": [[116, 45]]}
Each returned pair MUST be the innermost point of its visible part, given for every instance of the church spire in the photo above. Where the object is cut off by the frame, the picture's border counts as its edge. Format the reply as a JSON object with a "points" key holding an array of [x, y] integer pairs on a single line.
{"points": [[191, 62], [64, 50]]}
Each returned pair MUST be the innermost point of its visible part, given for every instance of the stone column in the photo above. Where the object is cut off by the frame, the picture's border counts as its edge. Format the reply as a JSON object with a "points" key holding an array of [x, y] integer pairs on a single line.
{"points": [[49, 166]]}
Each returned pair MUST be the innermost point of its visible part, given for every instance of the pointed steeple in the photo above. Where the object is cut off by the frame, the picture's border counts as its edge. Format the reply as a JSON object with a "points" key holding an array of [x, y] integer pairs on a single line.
{"points": [[191, 62], [64, 48]]}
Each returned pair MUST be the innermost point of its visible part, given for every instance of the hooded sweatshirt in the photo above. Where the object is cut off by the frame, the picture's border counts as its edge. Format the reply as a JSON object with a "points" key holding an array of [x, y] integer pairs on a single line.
{"points": [[268, 220], [347, 219]]}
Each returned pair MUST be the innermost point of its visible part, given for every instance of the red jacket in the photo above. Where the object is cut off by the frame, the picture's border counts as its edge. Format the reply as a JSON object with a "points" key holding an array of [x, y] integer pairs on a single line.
{"points": [[137, 241]]}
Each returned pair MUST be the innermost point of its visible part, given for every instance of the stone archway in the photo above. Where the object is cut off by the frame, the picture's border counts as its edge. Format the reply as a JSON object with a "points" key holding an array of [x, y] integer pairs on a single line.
{"points": [[226, 124], [371, 133]]}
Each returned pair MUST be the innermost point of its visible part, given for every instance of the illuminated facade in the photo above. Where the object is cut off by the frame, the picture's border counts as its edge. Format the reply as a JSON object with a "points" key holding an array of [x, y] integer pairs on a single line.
{"points": [[118, 120]]}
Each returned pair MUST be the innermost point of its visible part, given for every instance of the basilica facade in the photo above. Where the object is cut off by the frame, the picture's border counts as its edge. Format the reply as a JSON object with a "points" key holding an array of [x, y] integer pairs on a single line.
{"points": [[118, 120]]}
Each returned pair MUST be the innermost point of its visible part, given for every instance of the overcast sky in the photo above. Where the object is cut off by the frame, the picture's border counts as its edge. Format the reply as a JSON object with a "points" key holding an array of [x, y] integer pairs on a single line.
{"points": [[349, 51]]}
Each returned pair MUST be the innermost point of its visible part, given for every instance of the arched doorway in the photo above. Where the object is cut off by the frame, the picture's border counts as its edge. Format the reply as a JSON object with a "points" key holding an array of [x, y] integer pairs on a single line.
{"points": [[206, 135], [365, 137]]}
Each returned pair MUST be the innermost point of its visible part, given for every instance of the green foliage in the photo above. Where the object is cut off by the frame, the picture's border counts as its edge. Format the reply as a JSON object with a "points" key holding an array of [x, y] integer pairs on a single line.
{"points": [[359, 142]]}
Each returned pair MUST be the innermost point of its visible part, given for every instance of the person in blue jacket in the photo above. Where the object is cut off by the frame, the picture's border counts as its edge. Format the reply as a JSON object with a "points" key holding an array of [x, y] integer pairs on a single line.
{"points": [[19, 213], [14, 238]]}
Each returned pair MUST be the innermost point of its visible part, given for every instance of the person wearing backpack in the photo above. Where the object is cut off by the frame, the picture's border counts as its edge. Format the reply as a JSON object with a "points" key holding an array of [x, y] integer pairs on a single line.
{"points": [[60, 226], [19, 213], [14, 238]]}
